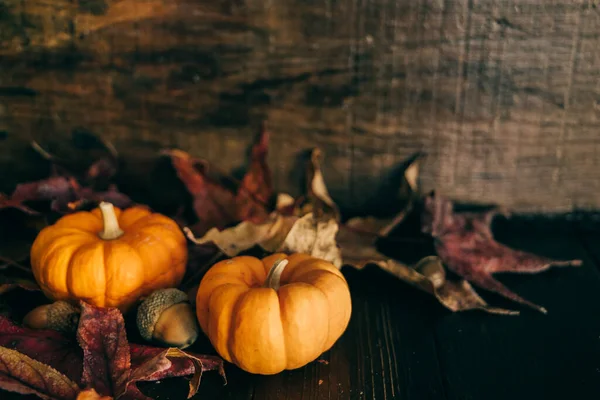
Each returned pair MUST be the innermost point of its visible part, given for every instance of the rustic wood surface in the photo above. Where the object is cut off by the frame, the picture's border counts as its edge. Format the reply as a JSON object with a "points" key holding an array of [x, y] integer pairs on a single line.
{"points": [[502, 95], [401, 344]]}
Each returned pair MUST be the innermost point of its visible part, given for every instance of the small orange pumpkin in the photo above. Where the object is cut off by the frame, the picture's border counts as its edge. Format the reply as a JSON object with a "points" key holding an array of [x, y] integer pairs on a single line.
{"points": [[274, 314], [109, 257]]}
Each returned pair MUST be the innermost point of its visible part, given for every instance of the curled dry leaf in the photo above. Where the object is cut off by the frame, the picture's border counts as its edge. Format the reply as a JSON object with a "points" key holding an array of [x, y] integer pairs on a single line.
{"points": [[213, 204], [287, 234], [65, 194], [22, 374], [318, 200], [9, 283], [465, 243], [256, 189], [357, 239], [217, 206], [151, 364]]}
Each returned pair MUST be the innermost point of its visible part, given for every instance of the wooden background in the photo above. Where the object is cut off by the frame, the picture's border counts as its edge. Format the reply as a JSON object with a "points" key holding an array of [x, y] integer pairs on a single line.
{"points": [[503, 96]]}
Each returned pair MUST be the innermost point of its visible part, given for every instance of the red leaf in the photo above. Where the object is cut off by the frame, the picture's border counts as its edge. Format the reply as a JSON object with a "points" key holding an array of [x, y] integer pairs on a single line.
{"points": [[22, 374], [46, 346], [256, 188], [106, 361], [213, 204], [464, 241], [142, 356], [154, 364], [64, 193]]}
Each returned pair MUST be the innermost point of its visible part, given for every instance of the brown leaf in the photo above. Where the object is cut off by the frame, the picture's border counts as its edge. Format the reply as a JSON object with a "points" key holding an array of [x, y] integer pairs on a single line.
{"points": [[214, 205], [22, 374], [106, 360], [465, 243], [279, 233], [9, 283], [256, 188], [357, 239], [65, 194], [319, 202], [154, 364]]}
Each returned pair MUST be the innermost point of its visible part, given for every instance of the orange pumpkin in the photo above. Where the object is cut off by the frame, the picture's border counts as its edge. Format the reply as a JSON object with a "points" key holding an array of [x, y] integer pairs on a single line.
{"points": [[275, 314], [109, 257]]}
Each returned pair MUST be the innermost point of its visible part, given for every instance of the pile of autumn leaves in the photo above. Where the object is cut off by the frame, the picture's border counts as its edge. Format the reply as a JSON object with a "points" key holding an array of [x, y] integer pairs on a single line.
{"points": [[230, 220]]}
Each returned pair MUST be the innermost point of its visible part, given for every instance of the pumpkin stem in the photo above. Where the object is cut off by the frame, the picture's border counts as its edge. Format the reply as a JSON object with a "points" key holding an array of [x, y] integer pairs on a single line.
{"points": [[111, 223], [274, 277]]}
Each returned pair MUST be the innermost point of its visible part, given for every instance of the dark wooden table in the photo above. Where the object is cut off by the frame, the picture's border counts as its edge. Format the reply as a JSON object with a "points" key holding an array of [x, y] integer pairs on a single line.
{"points": [[401, 344]]}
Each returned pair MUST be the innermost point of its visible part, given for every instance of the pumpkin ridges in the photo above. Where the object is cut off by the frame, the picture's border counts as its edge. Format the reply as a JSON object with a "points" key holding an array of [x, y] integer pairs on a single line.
{"points": [[257, 345], [122, 284], [84, 220], [338, 297], [304, 312], [132, 215], [54, 262], [87, 260], [217, 323]]}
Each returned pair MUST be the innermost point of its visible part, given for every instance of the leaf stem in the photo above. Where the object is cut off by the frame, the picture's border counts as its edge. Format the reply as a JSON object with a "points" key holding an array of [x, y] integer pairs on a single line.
{"points": [[112, 230], [274, 277]]}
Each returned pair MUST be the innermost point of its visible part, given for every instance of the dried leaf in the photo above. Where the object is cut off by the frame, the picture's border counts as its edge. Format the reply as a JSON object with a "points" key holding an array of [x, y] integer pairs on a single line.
{"points": [[465, 243], [64, 193], [256, 188], [319, 202], [9, 283], [357, 239], [215, 206], [177, 364], [46, 346], [106, 360], [154, 364], [22, 374], [55, 189], [279, 234]]}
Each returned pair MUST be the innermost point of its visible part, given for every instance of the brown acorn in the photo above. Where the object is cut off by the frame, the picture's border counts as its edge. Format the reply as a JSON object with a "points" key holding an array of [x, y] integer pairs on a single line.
{"points": [[166, 316], [59, 316]]}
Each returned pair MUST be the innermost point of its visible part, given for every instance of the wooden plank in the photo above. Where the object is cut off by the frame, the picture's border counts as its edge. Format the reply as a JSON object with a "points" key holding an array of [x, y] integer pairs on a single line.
{"points": [[501, 94], [553, 356]]}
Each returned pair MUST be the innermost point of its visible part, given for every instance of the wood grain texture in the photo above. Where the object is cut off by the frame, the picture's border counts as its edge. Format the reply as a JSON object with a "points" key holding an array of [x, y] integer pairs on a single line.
{"points": [[502, 95]]}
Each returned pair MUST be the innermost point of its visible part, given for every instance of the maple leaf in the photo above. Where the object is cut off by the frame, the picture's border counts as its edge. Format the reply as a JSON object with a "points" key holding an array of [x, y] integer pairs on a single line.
{"points": [[358, 242], [22, 374], [465, 243]]}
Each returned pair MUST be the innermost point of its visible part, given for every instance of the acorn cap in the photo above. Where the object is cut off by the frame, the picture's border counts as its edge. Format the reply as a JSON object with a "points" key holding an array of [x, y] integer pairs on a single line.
{"points": [[153, 306], [59, 316]]}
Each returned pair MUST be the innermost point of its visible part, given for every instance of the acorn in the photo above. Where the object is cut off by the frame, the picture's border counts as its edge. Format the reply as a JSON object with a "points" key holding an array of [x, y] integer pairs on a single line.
{"points": [[59, 316], [166, 316]]}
